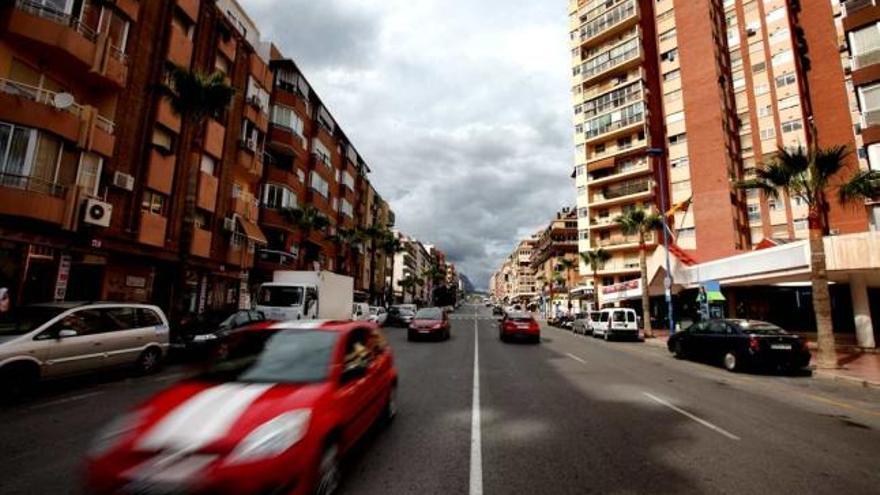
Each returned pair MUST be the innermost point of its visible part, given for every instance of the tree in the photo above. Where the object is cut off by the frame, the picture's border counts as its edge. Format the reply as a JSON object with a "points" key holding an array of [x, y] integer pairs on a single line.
{"points": [[348, 241], [391, 245], [436, 276], [195, 96], [595, 259], [807, 174], [306, 220], [641, 222]]}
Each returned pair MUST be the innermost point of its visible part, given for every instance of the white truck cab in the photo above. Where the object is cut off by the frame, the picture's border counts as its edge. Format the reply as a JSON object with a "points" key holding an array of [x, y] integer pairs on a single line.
{"points": [[305, 295]]}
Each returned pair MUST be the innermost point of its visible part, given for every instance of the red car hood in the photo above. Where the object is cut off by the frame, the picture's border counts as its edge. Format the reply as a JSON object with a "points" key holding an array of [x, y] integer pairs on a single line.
{"points": [[426, 323], [215, 416]]}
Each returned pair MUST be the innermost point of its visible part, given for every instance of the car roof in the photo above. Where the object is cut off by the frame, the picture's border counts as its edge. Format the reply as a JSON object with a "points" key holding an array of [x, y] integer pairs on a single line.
{"points": [[325, 325], [65, 305]]}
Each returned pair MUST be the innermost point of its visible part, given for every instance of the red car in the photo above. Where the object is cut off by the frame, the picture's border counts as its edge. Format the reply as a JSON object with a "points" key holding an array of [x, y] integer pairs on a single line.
{"points": [[519, 325], [273, 418], [429, 322]]}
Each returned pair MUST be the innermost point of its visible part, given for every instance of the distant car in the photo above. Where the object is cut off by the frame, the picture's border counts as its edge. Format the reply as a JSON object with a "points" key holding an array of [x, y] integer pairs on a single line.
{"points": [[408, 307], [429, 322], [378, 315], [583, 322], [497, 311], [44, 341], [617, 322], [276, 418], [360, 311], [519, 325], [739, 344], [209, 332], [399, 317]]}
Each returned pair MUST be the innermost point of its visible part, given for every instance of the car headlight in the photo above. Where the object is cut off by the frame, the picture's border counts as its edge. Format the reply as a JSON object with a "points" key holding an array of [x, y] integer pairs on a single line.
{"points": [[111, 434], [204, 337], [273, 437]]}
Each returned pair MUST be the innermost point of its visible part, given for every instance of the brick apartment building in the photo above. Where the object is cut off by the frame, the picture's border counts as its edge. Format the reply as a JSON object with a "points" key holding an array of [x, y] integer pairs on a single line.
{"points": [[95, 165]]}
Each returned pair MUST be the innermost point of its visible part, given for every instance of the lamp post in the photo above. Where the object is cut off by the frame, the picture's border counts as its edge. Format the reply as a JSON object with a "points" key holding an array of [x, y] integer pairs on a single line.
{"points": [[656, 153]]}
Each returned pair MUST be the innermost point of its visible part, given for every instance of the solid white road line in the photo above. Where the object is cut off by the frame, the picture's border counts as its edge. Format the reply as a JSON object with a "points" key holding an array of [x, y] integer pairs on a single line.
{"points": [[575, 358], [691, 416], [476, 486], [66, 400]]}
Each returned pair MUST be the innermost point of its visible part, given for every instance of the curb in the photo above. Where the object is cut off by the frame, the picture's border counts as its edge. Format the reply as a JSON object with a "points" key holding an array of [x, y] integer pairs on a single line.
{"points": [[830, 375]]}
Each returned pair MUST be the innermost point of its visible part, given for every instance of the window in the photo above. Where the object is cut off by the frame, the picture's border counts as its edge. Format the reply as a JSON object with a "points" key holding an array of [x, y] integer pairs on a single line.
{"points": [[147, 318], [222, 64], [89, 175], [347, 180], [321, 151], [346, 209], [678, 138], [759, 67], [208, 164], [869, 97], [278, 197], [257, 95], [754, 212], [768, 133], [319, 185], [163, 139], [285, 117], [761, 89], [679, 162], [674, 117], [765, 111], [251, 136], [667, 35], [776, 15], [781, 58], [672, 75], [669, 56], [864, 41], [785, 80], [789, 102], [153, 202], [122, 318], [792, 125], [116, 28]]}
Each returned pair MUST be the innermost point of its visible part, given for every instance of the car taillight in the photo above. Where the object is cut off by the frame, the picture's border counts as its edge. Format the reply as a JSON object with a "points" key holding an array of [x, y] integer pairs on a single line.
{"points": [[533, 326], [509, 325], [754, 344]]}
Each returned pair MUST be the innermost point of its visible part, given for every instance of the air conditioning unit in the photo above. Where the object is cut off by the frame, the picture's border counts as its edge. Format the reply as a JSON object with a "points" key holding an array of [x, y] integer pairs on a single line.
{"points": [[251, 144], [123, 181], [97, 212], [229, 224]]}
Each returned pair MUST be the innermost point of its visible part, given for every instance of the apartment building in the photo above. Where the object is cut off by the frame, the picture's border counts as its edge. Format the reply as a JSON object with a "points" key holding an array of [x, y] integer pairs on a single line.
{"points": [[107, 193], [411, 264], [859, 26], [555, 243]]}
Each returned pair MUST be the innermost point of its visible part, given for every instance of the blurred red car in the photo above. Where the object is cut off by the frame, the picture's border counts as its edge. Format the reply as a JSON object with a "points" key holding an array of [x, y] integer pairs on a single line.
{"points": [[519, 325], [273, 418], [429, 322]]}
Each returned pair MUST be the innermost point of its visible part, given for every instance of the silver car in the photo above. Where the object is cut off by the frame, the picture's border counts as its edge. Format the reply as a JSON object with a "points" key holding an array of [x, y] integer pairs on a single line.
{"points": [[54, 340]]}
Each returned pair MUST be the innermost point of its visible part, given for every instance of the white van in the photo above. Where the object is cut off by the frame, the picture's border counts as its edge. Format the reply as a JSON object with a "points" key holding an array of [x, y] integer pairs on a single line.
{"points": [[617, 322]]}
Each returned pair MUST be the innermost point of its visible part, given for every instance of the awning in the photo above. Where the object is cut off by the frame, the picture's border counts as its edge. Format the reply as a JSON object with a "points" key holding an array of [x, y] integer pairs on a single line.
{"points": [[252, 231], [601, 164], [714, 296]]}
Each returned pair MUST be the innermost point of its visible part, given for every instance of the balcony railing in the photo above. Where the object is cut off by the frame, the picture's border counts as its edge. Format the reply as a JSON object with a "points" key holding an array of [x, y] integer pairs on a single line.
{"points": [[621, 241], [35, 184], [625, 167], [865, 59], [46, 97], [621, 190], [629, 50], [853, 6], [613, 99], [57, 16], [628, 116], [609, 18]]}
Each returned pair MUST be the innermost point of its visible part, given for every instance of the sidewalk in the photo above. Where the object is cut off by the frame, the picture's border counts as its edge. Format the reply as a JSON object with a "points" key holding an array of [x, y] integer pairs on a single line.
{"points": [[856, 365]]}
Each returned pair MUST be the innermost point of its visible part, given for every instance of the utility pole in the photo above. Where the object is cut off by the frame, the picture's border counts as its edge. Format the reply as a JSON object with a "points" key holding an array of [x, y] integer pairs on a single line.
{"points": [[655, 154]]}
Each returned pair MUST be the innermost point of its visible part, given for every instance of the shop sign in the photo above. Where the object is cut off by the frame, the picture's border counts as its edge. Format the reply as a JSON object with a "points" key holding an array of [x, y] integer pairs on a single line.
{"points": [[63, 277], [622, 287]]}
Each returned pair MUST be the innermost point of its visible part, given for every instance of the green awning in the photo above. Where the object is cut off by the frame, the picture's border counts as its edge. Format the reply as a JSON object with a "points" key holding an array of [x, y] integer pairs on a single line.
{"points": [[714, 296]]}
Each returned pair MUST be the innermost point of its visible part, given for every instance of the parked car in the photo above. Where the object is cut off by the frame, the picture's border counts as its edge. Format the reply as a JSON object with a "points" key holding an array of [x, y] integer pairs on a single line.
{"points": [[583, 322], [378, 315], [739, 344], [208, 333], [400, 317], [360, 311], [519, 325], [497, 311], [617, 322], [45, 341], [275, 419], [408, 307], [429, 322]]}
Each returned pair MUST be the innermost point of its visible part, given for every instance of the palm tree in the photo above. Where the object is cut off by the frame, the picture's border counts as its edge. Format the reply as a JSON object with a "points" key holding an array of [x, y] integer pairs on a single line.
{"points": [[195, 97], [306, 220], [595, 259], [348, 241], [391, 245], [807, 174], [641, 222], [375, 235], [436, 276]]}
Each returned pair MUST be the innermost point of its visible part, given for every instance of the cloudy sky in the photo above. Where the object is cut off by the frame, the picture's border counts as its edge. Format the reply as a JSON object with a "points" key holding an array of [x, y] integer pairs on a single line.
{"points": [[460, 107]]}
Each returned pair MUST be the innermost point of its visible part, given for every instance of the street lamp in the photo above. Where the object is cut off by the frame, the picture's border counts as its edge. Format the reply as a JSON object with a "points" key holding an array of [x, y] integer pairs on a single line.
{"points": [[667, 280]]}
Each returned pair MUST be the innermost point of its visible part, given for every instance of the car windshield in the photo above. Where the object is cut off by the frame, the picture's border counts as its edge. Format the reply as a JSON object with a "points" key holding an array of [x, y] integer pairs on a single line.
{"points": [[290, 356], [760, 328], [207, 322], [519, 316], [430, 314], [26, 319], [279, 296]]}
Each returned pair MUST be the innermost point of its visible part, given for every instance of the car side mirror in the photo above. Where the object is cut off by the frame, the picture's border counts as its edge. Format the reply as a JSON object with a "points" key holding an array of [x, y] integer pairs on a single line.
{"points": [[353, 372], [66, 333]]}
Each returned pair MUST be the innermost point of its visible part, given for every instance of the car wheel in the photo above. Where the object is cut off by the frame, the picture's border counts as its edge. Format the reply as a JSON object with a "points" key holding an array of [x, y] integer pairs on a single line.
{"points": [[731, 362], [410, 337], [328, 471], [16, 381], [606, 336], [149, 361], [678, 350]]}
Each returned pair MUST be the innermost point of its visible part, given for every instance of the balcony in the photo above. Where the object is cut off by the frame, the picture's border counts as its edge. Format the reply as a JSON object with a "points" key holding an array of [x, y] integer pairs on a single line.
{"points": [[622, 193], [180, 47], [250, 158], [166, 115], [33, 198], [161, 173], [35, 107], [609, 22], [201, 243], [61, 35], [853, 6], [207, 195], [616, 242], [626, 169], [240, 251], [214, 138], [245, 205], [611, 100], [190, 8], [152, 230], [619, 122], [619, 58], [280, 259], [598, 223], [862, 60]]}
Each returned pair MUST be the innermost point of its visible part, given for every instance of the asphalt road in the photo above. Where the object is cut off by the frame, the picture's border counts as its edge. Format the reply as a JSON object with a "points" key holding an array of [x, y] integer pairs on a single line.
{"points": [[571, 415]]}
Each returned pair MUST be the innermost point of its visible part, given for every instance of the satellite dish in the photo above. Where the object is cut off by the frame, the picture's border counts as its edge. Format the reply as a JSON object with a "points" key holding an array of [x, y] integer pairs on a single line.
{"points": [[62, 100]]}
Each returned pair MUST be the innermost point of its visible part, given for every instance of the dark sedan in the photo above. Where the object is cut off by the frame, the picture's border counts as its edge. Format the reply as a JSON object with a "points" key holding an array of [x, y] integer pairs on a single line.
{"points": [[399, 317], [739, 344], [208, 333]]}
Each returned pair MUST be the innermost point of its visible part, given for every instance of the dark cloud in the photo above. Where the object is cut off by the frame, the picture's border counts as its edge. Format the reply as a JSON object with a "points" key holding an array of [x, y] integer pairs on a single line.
{"points": [[461, 108]]}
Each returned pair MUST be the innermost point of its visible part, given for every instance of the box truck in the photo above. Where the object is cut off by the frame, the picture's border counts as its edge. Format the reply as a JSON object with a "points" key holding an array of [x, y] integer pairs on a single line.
{"points": [[302, 295]]}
